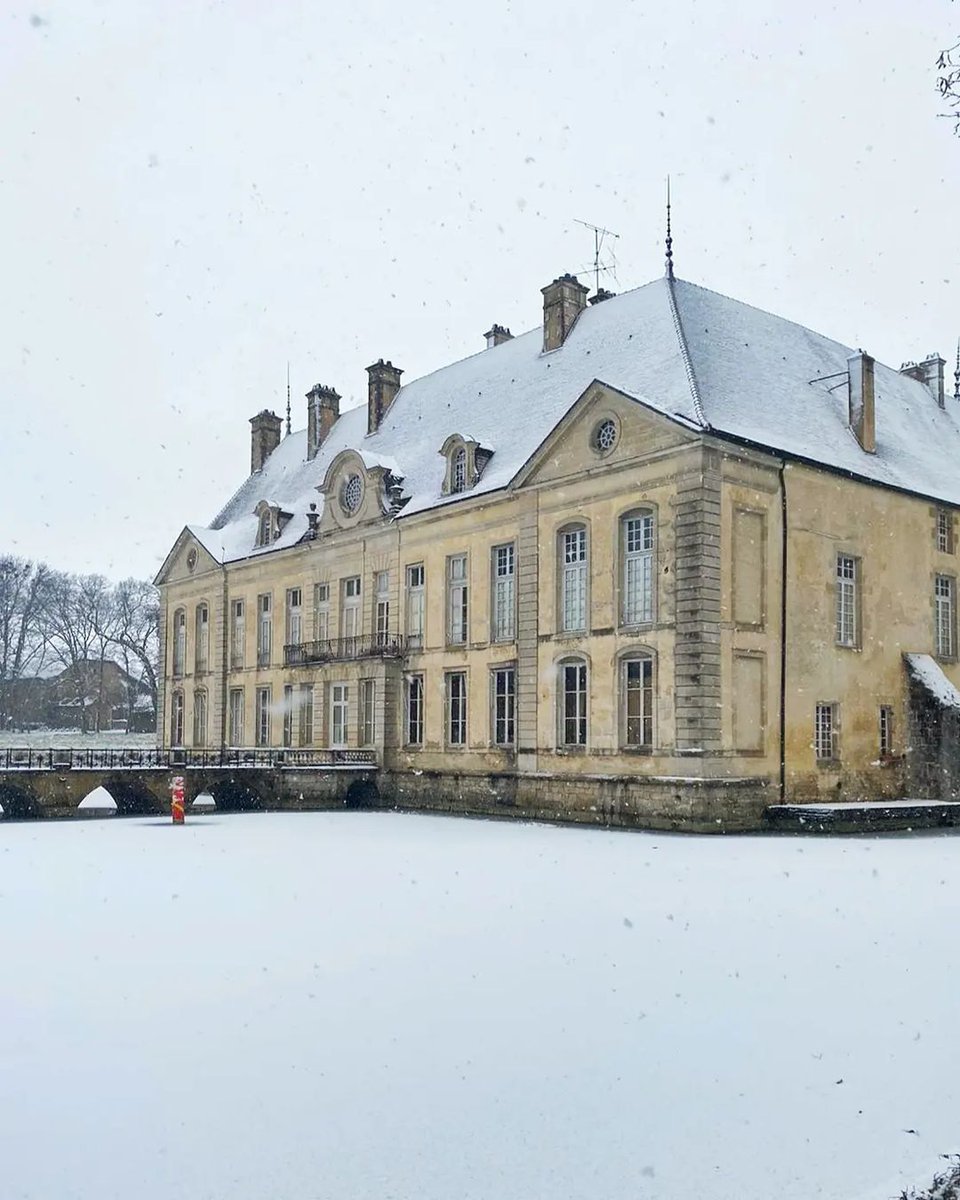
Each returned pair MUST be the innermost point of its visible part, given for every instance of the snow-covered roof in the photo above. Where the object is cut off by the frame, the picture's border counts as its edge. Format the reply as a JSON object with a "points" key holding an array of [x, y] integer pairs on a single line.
{"points": [[704, 359], [927, 672]]}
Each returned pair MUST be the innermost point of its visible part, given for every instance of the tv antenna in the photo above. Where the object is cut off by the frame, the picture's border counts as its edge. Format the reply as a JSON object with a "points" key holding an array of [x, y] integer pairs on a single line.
{"points": [[599, 237]]}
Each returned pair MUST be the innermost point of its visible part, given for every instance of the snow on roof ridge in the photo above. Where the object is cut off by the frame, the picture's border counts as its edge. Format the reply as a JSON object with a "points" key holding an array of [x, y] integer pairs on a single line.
{"points": [[685, 355]]}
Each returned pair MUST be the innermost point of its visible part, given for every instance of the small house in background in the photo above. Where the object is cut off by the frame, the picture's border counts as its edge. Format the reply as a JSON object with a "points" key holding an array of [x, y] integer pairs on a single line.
{"points": [[97, 696], [658, 559]]}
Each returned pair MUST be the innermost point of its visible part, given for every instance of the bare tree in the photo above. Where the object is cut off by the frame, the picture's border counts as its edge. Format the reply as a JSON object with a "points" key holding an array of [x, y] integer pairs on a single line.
{"points": [[948, 82], [21, 640], [138, 635], [69, 628]]}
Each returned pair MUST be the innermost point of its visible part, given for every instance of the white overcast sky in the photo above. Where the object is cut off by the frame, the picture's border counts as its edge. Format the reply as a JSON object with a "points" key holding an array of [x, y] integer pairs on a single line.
{"points": [[192, 194]]}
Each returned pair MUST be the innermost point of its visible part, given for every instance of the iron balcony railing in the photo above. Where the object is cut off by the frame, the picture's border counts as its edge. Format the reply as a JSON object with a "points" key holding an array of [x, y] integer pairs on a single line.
{"points": [[303, 654], [179, 757]]}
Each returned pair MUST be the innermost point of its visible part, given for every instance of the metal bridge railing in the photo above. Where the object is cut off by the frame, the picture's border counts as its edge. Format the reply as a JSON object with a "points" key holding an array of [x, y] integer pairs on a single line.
{"points": [[177, 758]]}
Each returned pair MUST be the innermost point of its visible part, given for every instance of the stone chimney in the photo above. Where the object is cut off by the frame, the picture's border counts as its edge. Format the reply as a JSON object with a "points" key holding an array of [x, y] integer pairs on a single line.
{"points": [[563, 301], [323, 409], [264, 437], [928, 372], [862, 414], [384, 384], [497, 335], [600, 295]]}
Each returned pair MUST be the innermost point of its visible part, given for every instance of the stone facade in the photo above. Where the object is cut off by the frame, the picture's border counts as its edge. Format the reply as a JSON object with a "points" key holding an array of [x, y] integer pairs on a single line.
{"points": [[640, 627]]}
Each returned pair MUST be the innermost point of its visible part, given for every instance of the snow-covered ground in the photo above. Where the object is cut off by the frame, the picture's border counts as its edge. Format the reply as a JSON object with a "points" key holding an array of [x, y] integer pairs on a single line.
{"points": [[368, 1006], [43, 739]]}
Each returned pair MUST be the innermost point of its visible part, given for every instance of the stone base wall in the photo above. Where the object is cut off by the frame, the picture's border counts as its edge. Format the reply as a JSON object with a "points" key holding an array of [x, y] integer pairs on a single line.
{"points": [[693, 806], [690, 805]]}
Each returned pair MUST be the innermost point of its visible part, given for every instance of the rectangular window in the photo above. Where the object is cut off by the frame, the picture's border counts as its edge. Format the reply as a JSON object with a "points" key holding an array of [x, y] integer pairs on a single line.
{"points": [[504, 683], [203, 639], [264, 630], [321, 612], [825, 741], [848, 578], [638, 703], [944, 531], [415, 606], [288, 714], [943, 599], [238, 635], [413, 731], [886, 731], [339, 714], [457, 600], [504, 594], [381, 607], [294, 616], [350, 608], [637, 535], [235, 732], [263, 716], [574, 698], [368, 696], [457, 708], [305, 715], [573, 580]]}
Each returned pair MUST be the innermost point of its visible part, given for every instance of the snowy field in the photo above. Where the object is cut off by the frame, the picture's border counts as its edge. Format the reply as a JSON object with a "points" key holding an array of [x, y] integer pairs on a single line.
{"points": [[346, 1006], [73, 739]]}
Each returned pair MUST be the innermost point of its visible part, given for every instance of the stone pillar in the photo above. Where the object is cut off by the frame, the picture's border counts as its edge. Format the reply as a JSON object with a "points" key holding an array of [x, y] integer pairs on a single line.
{"points": [[528, 641], [697, 584]]}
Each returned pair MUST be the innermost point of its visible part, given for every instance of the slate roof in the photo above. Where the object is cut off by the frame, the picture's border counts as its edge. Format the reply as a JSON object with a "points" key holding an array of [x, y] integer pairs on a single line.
{"points": [[695, 356]]}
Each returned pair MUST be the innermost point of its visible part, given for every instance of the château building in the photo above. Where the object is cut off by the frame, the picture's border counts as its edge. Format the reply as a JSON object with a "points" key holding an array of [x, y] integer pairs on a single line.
{"points": [[665, 558]]}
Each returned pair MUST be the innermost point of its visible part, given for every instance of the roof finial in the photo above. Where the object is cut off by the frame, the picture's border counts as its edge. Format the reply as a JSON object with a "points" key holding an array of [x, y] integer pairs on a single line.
{"points": [[956, 375], [669, 237], [288, 399]]}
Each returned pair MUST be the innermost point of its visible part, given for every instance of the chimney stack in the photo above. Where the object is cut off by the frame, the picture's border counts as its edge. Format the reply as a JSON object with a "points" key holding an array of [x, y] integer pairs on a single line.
{"points": [[563, 301], [600, 295], [323, 409], [930, 373], [497, 335], [862, 414], [384, 383], [264, 437]]}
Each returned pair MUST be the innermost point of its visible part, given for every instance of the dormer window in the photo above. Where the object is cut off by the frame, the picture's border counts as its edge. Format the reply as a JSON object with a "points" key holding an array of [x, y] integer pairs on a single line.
{"points": [[465, 462], [270, 522]]}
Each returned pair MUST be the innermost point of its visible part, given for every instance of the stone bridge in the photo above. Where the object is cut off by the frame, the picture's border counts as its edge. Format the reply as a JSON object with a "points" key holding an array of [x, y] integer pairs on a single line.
{"points": [[51, 783]]}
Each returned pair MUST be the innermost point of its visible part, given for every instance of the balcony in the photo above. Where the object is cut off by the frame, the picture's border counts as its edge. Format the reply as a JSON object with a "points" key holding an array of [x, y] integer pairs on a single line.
{"points": [[306, 654]]}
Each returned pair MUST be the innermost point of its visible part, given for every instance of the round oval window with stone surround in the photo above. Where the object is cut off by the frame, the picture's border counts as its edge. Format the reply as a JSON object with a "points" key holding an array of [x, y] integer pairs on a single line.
{"points": [[351, 494], [605, 436], [191, 558]]}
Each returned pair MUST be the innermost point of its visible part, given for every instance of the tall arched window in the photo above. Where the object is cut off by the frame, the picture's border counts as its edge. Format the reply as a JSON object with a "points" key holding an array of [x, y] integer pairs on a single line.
{"points": [[637, 531], [202, 639], [573, 701], [200, 718], [458, 482], [176, 719], [573, 564], [637, 691], [265, 528], [179, 641]]}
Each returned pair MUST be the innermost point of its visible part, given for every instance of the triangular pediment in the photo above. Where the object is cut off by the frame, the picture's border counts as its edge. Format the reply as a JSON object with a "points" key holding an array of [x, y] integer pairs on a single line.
{"points": [[188, 559], [604, 428]]}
